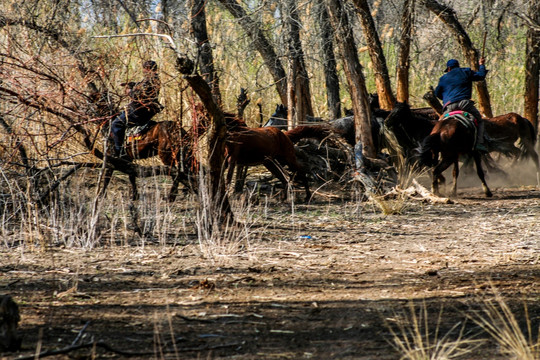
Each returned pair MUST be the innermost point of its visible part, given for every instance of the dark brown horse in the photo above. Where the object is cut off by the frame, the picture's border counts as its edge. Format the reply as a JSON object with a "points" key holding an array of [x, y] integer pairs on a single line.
{"points": [[450, 138], [503, 133], [169, 141]]}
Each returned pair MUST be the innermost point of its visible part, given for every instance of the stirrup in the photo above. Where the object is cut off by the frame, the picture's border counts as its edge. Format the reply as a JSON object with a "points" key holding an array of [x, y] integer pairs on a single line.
{"points": [[480, 147]]}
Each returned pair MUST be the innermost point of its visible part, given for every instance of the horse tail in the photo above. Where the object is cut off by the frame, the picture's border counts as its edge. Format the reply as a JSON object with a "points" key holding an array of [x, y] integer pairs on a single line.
{"points": [[429, 150], [318, 132], [527, 137]]}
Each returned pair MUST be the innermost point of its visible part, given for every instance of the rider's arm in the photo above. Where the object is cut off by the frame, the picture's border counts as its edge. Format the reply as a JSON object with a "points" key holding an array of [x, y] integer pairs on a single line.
{"points": [[439, 90], [482, 72]]}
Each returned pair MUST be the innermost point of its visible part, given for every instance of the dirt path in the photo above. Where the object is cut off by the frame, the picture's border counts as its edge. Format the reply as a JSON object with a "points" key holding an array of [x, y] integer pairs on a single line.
{"points": [[326, 281]]}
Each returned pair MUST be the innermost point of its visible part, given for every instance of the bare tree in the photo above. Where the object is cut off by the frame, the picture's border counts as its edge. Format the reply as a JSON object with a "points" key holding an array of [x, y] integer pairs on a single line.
{"points": [[355, 77], [329, 61], [299, 93], [262, 44], [218, 202], [403, 64], [532, 65], [382, 79], [449, 18], [200, 33]]}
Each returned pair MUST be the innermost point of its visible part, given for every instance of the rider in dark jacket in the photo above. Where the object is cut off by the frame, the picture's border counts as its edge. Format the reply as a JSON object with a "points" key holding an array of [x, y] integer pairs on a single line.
{"points": [[455, 90], [143, 106]]}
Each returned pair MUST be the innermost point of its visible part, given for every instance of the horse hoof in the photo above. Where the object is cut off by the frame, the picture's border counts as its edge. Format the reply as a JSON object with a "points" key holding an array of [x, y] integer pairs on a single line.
{"points": [[489, 194]]}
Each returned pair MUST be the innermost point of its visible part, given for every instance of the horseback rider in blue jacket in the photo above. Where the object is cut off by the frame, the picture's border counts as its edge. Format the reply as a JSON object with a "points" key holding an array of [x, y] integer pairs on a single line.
{"points": [[455, 90], [143, 106]]}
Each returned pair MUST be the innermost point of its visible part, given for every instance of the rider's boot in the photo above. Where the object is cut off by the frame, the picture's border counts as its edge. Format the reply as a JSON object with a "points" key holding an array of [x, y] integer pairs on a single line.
{"points": [[480, 138]]}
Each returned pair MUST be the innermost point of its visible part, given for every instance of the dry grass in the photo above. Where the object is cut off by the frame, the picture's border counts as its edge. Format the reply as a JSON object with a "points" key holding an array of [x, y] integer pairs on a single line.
{"points": [[222, 242], [414, 340], [498, 320]]}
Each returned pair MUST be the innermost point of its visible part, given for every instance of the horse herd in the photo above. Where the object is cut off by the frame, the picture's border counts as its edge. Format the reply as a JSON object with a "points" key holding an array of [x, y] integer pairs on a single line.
{"points": [[421, 136]]}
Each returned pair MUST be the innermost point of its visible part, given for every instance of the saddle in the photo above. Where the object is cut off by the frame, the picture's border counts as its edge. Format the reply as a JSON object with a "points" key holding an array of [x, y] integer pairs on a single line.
{"points": [[464, 117], [135, 133]]}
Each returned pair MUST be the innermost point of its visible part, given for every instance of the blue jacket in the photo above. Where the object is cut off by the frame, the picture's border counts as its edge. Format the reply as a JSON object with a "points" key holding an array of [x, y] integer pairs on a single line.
{"points": [[456, 85]]}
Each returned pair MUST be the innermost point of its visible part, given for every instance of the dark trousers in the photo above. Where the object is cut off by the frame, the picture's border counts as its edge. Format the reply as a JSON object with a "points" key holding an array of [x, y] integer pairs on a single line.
{"points": [[136, 117]]}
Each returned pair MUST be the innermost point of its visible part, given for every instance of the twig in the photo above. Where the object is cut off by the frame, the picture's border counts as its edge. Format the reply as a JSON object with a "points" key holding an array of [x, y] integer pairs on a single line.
{"points": [[69, 349], [159, 21], [533, 24], [107, 347], [41, 197], [195, 319], [79, 335], [484, 44], [167, 37]]}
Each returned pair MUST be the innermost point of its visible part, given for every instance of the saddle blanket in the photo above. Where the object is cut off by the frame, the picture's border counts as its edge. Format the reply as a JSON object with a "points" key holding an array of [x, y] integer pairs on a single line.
{"points": [[464, 117], [134, 133]]}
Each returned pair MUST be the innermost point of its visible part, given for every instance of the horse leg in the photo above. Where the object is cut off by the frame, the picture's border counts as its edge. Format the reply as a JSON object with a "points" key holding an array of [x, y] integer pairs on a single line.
{"points": [[106, 179], [480, 172], [297, 170], [179, 177], [134, 192], [279, 173], [438, 178], [455, 174], [534, 155], [230, 170], [303, 178], [173, 192], [435, 183], [241, 172]]}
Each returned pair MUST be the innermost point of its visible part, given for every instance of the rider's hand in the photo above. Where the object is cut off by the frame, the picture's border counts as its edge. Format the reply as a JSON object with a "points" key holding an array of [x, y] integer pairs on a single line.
{"points": [[482, 61]]}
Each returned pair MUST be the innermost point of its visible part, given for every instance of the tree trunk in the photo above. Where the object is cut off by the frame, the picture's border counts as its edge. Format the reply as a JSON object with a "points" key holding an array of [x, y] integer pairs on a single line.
{"points": [[292, 116], [218, 201], [329, 62], [532, 66], [449, 18], [402, 72], [299, 77], [262, 45], [355, 77], [382, 79], [200, 33]]}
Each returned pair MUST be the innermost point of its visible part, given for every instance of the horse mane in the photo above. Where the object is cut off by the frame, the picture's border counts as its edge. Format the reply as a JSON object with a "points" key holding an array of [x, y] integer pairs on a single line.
{"points": [[418, 124], [201, 120], [319, 132], [233, 122]]}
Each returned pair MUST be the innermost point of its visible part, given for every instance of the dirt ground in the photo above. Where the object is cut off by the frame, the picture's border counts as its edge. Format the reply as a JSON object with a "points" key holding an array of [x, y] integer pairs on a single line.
{"points": [[330, 280]]}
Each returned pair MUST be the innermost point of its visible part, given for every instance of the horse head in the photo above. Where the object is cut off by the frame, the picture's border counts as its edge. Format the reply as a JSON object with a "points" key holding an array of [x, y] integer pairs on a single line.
{"points": [[373, 100], [401, 113], [279, 117]]}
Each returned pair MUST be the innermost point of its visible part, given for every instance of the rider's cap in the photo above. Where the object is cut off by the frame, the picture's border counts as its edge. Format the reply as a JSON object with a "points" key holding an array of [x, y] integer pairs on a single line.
{"points": [[450, 64], [150, 65]]}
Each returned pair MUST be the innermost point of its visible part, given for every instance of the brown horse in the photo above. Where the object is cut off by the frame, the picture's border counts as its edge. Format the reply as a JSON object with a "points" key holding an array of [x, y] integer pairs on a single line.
{"points": [[173, 145], [450, 138], [266, 146], [506, 130]]}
